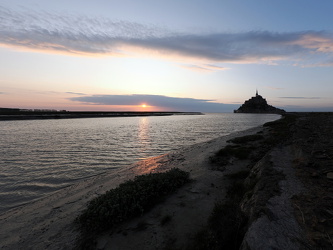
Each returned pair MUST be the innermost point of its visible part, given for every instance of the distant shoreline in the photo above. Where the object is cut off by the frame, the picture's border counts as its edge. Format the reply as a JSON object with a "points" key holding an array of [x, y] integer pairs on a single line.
{"points": [[41, 115]]}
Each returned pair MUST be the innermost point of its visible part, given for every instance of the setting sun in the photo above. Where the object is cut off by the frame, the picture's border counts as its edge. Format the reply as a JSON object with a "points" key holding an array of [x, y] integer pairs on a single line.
{"points": [[143, 105]]}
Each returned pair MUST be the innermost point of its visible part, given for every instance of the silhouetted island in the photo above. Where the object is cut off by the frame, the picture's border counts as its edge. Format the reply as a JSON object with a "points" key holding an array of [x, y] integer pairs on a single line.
{"points": [[258, 104]]}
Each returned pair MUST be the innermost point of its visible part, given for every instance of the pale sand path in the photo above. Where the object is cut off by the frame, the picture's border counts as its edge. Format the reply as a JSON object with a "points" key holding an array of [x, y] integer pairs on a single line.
{"points": [[47, 223]]}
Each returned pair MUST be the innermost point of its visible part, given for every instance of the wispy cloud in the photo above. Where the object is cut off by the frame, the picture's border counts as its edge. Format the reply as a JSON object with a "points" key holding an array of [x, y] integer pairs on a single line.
{"points": [[74, 93], [204, 67], [165, 102], [96, 36]]}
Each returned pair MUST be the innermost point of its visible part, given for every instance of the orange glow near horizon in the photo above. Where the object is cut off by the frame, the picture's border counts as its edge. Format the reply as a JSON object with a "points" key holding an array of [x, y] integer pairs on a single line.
{"points": [[125, 108]]}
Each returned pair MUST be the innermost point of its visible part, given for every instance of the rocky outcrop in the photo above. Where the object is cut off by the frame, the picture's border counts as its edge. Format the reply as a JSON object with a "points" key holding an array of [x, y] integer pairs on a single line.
{"points": [[258, 104]]}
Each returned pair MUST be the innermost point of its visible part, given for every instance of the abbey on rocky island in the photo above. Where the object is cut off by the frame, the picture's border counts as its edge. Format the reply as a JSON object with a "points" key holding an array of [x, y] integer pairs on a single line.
{"points": [[258, 104]]}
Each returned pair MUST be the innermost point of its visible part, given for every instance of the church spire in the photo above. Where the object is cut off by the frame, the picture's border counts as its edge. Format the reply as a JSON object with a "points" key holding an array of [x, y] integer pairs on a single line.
{"points": [[256, 92]]}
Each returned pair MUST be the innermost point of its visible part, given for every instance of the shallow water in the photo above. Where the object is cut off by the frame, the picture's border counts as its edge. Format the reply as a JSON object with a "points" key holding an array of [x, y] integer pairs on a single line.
{"points": [[38, 157]]}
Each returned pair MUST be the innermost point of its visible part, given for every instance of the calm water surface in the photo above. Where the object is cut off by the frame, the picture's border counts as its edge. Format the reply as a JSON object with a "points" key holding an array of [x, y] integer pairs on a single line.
{"points": [[38, 157]]}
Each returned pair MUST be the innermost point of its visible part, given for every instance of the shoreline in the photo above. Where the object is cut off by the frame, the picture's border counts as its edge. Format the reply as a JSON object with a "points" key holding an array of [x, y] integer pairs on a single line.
{"points": [[44, 223]]}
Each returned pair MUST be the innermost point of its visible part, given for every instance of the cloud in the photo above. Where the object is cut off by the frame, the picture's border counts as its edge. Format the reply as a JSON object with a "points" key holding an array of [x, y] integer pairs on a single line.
{"points": [[81, 35], [165, 102], [204, 67], [74, 93]]}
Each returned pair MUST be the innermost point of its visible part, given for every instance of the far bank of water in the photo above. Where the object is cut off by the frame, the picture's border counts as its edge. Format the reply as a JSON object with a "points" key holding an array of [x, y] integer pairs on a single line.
{"points": [[38, 157]]}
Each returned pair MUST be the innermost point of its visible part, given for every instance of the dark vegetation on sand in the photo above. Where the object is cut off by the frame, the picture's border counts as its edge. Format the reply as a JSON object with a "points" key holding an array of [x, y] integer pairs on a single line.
{"points": [[128, 200], [254, 147]]}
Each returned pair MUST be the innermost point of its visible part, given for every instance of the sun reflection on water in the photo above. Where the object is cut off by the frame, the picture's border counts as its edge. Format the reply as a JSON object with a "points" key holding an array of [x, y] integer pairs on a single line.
{"points": [[144, 139]]}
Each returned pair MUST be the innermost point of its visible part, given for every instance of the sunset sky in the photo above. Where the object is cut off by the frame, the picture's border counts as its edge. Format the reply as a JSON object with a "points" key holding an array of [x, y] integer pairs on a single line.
{"points": [[193, 55]]}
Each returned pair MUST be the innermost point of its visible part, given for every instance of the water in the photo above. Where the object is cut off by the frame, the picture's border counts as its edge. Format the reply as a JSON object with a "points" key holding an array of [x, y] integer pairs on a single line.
{"points": [[38, 157]]}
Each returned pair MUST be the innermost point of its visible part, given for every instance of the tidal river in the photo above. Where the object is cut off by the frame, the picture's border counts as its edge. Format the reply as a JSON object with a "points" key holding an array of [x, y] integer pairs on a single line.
{"points": [[38, 157]]}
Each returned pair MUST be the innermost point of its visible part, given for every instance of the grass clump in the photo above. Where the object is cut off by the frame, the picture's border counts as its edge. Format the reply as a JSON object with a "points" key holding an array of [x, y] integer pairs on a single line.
{"points": [[234, 150], [129, 200], [246, 139], [242, 174]]}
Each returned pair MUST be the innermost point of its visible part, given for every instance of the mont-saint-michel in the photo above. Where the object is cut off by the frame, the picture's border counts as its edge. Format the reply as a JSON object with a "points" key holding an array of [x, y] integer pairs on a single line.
{"points": [[258, 104]]}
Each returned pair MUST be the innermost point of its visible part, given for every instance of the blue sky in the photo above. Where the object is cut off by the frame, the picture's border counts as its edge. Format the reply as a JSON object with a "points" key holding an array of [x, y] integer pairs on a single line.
{"points": [[205, 56]]}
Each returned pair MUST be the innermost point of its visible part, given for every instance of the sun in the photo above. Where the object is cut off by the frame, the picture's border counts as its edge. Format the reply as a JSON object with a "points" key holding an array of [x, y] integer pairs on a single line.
{"points": [[143, 106]]}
